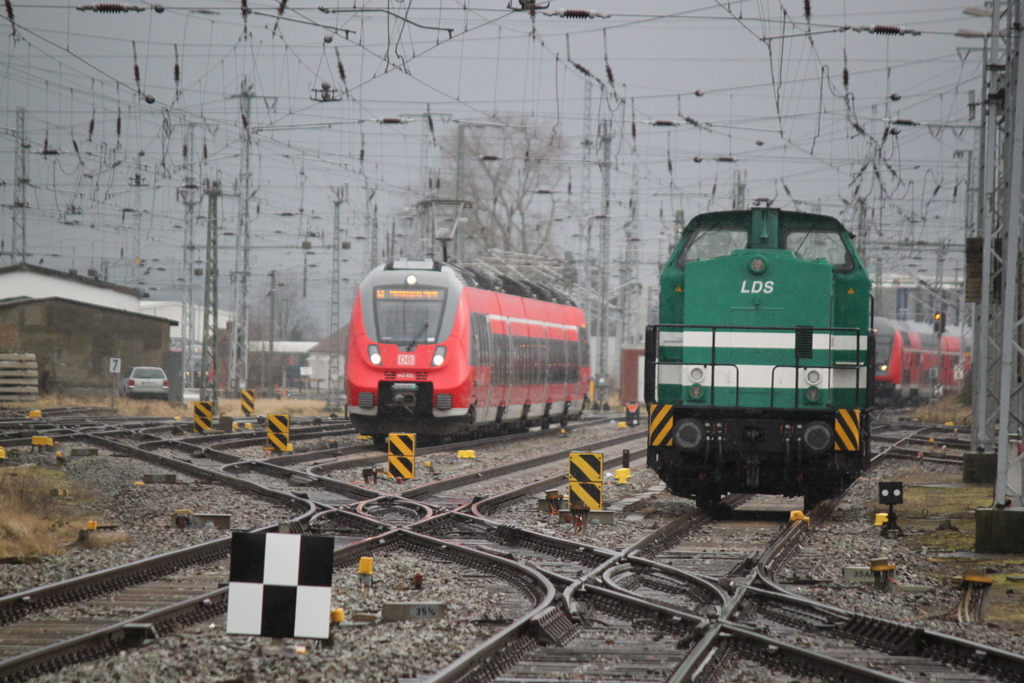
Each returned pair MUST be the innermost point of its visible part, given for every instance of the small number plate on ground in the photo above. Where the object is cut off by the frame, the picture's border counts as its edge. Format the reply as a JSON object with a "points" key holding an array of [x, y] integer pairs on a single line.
{"points": [[402, 611]]}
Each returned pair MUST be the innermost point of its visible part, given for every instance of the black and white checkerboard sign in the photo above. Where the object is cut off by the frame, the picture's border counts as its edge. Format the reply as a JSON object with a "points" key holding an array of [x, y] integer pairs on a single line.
{"points": [[280, 585]]}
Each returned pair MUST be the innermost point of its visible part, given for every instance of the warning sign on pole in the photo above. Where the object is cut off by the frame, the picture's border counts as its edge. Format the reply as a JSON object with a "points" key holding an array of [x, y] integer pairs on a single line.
{"points": [[586, 480], [402, 455], [586, 466], [402, 444], [402, 466], [202, 416], [587, 493], [279, 432], [248, 401]]}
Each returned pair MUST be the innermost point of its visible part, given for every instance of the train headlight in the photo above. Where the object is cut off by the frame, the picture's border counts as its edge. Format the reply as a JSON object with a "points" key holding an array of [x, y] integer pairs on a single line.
{"points": [[883, 368], [688, 434], [374, 353], [696, 392], [411, 280], [817, 437], [697, 374], [439, 354], [813, 394], [813, 376], [757, 265]]}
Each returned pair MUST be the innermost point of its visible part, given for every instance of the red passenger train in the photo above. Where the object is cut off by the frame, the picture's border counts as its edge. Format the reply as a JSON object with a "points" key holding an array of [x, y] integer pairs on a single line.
{"points": [[440, 349], [913, 363]]}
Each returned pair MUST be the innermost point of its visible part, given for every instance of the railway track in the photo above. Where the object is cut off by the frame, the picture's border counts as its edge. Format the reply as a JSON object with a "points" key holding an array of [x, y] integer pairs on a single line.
{"points": [[51, 626], [668, 606]]}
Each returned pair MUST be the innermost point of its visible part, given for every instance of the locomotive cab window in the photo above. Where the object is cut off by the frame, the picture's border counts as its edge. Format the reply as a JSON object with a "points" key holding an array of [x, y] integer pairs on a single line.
{"points": [[713, 241], [812, 245], [408, 316]]}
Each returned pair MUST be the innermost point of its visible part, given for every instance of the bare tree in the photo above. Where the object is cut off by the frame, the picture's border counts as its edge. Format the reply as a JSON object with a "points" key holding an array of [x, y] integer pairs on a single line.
{"points": [[510, 167], [293, 321]]}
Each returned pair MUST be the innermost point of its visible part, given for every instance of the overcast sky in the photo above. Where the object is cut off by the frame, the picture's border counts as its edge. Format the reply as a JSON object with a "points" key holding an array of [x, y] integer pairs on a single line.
{"points": [[798, 106]]}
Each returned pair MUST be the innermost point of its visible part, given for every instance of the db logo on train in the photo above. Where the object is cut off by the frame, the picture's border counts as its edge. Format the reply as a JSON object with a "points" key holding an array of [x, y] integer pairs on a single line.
{"points": [[406, 359]]}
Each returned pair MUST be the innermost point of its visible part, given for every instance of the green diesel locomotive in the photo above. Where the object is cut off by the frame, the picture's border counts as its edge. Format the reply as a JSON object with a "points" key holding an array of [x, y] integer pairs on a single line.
{"points": [[758, 375]]}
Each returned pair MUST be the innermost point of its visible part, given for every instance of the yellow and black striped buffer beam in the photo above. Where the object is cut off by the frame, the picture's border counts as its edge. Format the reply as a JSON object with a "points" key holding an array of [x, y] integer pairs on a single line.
{"points": [[586, 493], [278, 432], [248, 401], [847, 430], [202, 416], [403, 466], [402, 444], [586, 466], [659, 429]]}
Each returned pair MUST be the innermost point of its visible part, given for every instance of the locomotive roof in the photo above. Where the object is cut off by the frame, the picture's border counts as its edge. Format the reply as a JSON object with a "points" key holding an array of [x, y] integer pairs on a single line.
{"points": [[746, 214], [472, 277]]}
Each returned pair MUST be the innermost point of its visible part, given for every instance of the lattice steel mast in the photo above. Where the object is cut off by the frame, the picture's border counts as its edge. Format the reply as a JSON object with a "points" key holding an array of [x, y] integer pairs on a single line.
{"points": [[18, 248], [334, 361], [239, 376], [208, 386]]}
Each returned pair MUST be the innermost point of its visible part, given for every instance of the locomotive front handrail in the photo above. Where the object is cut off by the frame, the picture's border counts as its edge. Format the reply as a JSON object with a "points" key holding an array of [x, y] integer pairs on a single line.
{"points": [[653, 348]]}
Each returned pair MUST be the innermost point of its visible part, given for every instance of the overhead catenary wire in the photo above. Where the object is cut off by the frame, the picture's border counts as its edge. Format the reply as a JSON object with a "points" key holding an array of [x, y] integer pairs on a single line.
{"points": [[640, 101]]}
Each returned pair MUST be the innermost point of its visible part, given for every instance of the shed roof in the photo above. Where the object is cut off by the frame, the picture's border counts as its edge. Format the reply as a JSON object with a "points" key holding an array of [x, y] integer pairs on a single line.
{"points": [[80, 279], [22, 301]]}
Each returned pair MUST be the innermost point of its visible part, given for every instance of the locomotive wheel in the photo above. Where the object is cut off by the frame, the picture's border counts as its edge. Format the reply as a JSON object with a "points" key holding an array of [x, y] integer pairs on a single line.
{"points": [[380, 442]]}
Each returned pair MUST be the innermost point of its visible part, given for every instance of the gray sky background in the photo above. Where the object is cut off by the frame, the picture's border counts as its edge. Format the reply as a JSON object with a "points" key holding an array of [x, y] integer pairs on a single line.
{"points": [[765, 83]]}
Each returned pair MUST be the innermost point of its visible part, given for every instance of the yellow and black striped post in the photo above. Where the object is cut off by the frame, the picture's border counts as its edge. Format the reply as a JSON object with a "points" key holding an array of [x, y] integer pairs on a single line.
{"points": [[279, 432], [659, 427], [586, 480], [402, 455], [202, 416], [847, 427], [248, 401]]}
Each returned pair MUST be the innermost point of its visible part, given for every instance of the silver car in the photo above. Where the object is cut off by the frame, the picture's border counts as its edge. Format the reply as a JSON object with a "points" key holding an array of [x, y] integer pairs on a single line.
{"points": [[145, 382]]}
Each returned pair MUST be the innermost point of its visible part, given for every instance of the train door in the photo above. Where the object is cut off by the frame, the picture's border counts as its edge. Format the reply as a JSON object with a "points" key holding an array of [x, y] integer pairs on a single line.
{"points": [[481, 362], [557, 389], [538, 368], [906, 364], [501, 347]]}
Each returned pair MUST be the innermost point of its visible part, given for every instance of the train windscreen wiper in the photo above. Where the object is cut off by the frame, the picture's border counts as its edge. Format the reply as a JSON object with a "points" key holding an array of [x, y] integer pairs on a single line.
{"points": [[415, 337]]}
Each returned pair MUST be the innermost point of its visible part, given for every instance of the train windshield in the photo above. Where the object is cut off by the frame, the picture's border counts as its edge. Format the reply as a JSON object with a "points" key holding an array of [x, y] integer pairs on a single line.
{"points": [[408, 316], [883, 349], [813, 245], [712, 242]]}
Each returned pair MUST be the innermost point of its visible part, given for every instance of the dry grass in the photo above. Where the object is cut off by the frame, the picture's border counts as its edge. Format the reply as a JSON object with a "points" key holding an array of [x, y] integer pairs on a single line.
{"points": [[150, 408], [102, 539], [31, 522], [945, 410], [948, 548]]}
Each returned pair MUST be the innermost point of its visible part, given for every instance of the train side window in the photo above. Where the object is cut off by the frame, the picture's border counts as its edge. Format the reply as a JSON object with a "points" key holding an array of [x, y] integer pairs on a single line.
{"points": [[572, 370], [547, 358], [813, 245], [583, 351], [528, 364], [557, 367], [499, 369], [538, 360], [540, 353], [711, 242], [518, 362], [480, 342]]}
